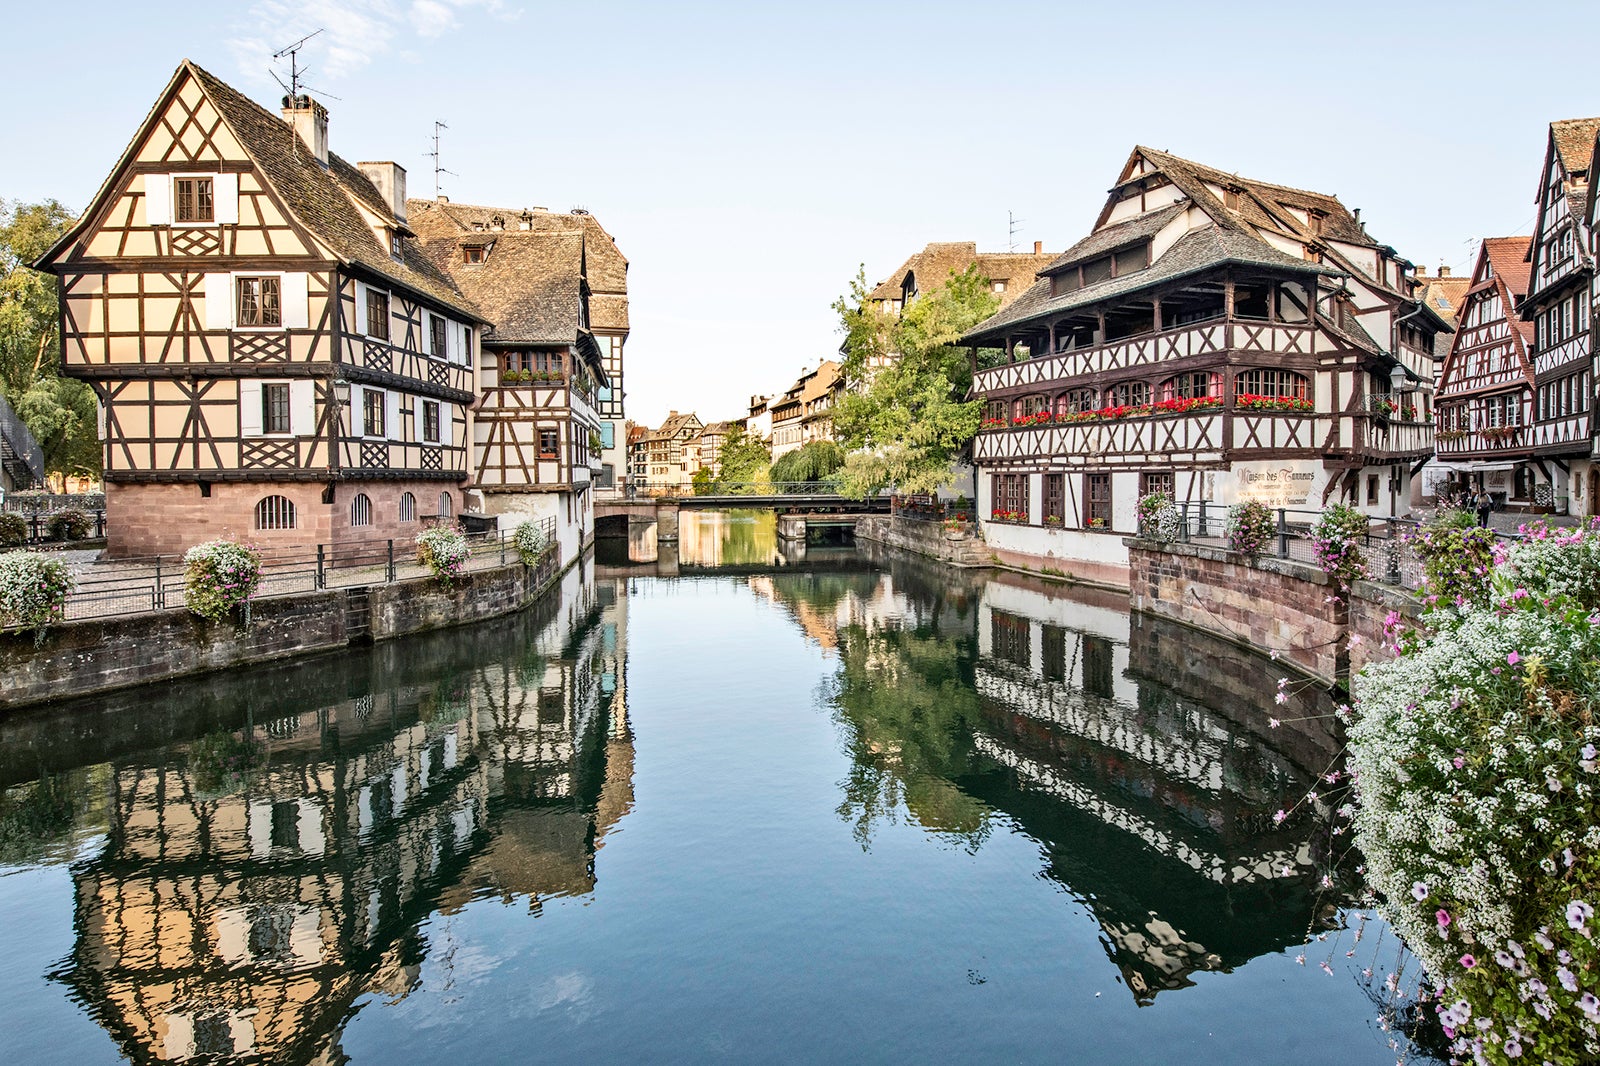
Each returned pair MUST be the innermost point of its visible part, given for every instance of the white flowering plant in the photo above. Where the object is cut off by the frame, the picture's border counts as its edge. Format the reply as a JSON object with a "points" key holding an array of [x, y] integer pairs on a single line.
{"points": [[1477, 781], [33, 589], [1159, 519], [1250, 527], [218, 576], [530, 542], [1336, 538], [444, 551]]}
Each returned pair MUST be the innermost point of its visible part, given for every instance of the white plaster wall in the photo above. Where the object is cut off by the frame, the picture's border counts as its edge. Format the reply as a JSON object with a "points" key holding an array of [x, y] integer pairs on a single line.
{"points": [[1066, 544]]}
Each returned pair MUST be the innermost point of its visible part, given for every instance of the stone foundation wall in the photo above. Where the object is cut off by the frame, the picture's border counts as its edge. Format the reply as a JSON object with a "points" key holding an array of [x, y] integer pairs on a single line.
{"points": [[925, 538], [1278, 606], [98, 655]]}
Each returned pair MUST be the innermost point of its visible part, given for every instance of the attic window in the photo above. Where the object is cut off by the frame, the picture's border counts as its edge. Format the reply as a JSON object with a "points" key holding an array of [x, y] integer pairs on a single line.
{"points": [[474, 253], [999, 286], [1230, 199], [396, 243]]}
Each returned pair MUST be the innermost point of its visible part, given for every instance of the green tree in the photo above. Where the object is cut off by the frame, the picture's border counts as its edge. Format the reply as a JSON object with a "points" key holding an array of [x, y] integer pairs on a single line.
{"points": [[702, 482], [59, 412], [813, 462], [905, 420], [743, 460]]}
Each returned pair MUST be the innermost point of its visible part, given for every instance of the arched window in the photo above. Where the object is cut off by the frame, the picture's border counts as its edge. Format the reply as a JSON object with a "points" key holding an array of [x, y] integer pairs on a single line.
{"points": [[1128, 394], [275, 512], [1274, 384], [408, 507], [444, 505], [1199, 385], [361, 510], [1075, 401], [1028, 406]]}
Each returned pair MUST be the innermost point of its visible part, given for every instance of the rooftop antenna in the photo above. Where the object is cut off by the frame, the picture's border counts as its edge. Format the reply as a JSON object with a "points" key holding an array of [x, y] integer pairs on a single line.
{"points": [[293, 52], [1012, 222], [437, 169]]}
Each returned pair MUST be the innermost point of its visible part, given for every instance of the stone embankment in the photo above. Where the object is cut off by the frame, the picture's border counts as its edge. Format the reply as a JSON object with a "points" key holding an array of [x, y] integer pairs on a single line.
{"points": [[925, 538], [97, 655]]}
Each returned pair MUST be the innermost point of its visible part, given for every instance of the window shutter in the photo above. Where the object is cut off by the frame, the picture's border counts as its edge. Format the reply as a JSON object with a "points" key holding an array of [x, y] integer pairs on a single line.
{"points": [[361, 307], [219, 301], [391, 415], [158, 199], [465, 344], [225, 198], [452, 342], [302, 407], [295, 302], [358, 423], [249, 408]]}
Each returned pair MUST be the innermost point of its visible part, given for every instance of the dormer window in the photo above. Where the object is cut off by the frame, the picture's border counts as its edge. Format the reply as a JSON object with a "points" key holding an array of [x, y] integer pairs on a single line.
{"points": [[474, 253], [396, 243]]}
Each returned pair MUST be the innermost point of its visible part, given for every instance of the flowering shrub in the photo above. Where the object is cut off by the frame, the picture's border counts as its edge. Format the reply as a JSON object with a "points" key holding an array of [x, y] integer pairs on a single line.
{"points": [[1159, 519], [1476, 769], [13, 529], [70, 524], [444, 551], [1336, 538], [220, 575], [1251, 401], [1251, 527], [33, 589], [530, 541], [1456, 558]]}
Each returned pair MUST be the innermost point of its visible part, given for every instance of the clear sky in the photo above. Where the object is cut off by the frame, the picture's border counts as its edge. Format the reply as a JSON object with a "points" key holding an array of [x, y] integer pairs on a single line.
{"points": [[749, 156]]}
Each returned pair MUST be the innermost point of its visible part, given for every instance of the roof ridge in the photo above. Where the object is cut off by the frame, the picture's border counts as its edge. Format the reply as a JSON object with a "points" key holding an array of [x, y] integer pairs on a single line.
{"points": [[1238, 177]]}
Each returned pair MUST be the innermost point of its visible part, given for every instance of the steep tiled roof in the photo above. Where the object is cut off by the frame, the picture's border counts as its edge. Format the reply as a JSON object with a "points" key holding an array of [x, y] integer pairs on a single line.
{"points": [[1574, 141], [529, 284], [933, 266], [1199, 250], [325, 201], [1119, 235], [1443, 295], [1508, 257], [607, 266]]}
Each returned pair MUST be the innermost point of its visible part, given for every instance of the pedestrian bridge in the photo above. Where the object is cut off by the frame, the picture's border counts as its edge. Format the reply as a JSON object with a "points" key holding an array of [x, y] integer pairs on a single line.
{"points": [[786, 498]]}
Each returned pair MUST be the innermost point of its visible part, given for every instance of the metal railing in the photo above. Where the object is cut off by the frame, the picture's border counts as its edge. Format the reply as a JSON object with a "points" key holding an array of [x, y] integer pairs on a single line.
{"points": [[931, 509], [37, 526], [106, 588], [21, 452], [642, 489], [30, 502]]}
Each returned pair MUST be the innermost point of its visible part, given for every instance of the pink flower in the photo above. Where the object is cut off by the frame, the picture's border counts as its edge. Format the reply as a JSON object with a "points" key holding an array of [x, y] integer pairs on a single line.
{"points": [[1443, 918], [1513, 659], [1468, 961]]}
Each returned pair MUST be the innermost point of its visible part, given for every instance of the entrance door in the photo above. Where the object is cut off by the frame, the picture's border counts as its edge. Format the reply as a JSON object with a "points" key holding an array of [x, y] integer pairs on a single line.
{"points": [[1594, 488]]}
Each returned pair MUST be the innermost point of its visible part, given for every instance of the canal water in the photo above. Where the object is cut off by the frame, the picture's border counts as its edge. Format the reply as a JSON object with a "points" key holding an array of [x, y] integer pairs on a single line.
{"points": [[744, 802]]}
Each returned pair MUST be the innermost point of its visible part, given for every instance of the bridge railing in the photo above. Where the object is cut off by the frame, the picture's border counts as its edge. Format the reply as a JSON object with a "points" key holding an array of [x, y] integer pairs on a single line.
{"points": [[641, 489]]}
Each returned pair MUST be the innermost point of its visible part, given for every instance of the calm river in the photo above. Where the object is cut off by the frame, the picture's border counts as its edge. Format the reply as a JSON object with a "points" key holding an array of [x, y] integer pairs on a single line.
{"points": [[736, 804]]}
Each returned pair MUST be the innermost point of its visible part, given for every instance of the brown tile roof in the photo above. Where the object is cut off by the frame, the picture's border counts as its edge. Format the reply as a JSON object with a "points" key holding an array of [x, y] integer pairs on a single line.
{"points": [[607, 266], [325, 201], [1574, 141], [933, 266], [1120, 235], [1508, 256], [1443, 295], [530, 285]]}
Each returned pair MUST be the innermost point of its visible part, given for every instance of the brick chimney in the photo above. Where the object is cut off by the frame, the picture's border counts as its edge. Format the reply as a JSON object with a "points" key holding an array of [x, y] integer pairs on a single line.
{"points": [[1422, 271], [310, 122], [1444, 271], [1038, 247]]}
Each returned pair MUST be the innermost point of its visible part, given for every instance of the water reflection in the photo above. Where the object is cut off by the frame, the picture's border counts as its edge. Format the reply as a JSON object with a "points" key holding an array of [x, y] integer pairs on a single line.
{"points": [[251, 884], [1139, 757]]}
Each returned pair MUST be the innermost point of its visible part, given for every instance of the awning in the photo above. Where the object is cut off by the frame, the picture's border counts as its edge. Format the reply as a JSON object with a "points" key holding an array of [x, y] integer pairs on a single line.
{"points": [[1472, 468]]}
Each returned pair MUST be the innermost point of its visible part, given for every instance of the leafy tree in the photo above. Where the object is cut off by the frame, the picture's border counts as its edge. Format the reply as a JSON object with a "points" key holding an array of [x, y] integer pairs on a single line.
{"points": [[743, 460], [59, 412], [702, 482], [814, 462], [905, 420]]}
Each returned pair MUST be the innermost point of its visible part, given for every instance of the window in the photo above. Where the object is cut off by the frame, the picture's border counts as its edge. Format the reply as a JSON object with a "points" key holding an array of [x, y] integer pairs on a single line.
{"points": [[445, 507], [1278, 384], [361, 510], [548, 440], [1098, 494], [1128, 394], [275, 407], [1152, 481], [1055, 499], [1252, 301], [275, 512], [1029, 406], [995, 411], [1097, 666], [195, 201], [430, 421], [1010, 493], [473, 253], [438, 339], [999, 286], [396, 247], [378, 314], [547, 365], [1012, 637], [372, 402], [1372, 488], [260, 301], [1053, 645], [408, 507], [1193, 386], [1075, 401]]}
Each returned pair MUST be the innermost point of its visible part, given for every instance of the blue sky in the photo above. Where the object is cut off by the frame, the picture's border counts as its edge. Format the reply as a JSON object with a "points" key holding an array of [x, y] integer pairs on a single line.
{"points": [[748, 157]]}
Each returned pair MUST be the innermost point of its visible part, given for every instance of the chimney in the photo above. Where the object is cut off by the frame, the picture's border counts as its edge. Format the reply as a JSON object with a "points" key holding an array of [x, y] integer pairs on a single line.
{"points": [[1444, 271], [390, 181], [1422, 271], [310, 122], [1038, 247]]}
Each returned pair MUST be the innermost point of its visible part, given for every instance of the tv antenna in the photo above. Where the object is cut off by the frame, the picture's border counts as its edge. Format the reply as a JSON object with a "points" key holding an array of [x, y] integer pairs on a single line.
{"points": [[1012, 222], [293, 52], [437, 169]]}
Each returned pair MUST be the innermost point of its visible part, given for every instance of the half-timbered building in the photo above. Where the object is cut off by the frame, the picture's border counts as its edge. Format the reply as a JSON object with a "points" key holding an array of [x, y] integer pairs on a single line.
{"points": [[1561, 261], [273, 356], [1216, 337], [536, 428], [1486, 389]]}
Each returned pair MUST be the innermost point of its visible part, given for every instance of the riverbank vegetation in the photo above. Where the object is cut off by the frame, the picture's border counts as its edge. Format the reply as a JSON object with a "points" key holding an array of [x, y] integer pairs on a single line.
{"points": [[1474, 754]]}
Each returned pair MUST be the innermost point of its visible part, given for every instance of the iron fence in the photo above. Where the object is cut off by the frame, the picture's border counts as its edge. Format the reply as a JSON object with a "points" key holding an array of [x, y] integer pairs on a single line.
{"points": [[106, 588]]}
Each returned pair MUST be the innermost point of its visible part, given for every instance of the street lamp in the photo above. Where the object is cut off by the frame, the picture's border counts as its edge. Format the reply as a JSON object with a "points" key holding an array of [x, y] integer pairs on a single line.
{"points": [[1400, 380]]}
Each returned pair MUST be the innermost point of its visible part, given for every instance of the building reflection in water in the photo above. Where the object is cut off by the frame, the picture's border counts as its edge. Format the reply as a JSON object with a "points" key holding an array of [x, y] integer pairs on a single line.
{"points": [[1136, 752], [253, 884]]}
